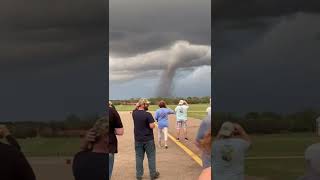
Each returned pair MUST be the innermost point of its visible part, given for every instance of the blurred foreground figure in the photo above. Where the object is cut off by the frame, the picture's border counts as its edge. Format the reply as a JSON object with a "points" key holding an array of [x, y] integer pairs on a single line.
{"points": [[312, 156], [205, 127], [91, 162], [228, 152], [205, 146], [13, 164]]}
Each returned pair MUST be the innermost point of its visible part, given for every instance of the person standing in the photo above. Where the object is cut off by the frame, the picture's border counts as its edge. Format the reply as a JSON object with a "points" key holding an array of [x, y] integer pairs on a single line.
{"points": [[204, 128], [115, 129], [90, 163], [182, 117], [144, 139], [161, 116], [13, 164], [228, 152]]}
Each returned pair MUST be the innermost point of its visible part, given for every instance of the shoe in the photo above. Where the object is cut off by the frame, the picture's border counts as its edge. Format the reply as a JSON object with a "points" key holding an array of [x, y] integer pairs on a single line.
{"points": [[156, 176], [186, 139], [177, 139], [166, 146]]}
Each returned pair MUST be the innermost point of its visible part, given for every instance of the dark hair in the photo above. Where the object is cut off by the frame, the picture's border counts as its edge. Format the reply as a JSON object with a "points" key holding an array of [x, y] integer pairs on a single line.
{"points": [[162, 104]]}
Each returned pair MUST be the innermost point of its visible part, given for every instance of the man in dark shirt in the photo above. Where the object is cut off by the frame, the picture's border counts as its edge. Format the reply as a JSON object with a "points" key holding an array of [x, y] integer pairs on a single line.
{"points": [[116, 128], [13, 164], [144, 140], [91, 163]]}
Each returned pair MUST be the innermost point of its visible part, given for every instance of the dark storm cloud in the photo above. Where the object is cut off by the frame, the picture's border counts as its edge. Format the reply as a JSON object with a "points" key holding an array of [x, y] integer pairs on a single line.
{"points": [[233, 9], [141, 26], [52, 58], [38, 32]]}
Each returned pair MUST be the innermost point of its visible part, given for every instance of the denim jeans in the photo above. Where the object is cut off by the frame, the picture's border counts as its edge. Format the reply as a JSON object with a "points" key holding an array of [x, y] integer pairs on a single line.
{"points": [[150, 149], [111, 162]]}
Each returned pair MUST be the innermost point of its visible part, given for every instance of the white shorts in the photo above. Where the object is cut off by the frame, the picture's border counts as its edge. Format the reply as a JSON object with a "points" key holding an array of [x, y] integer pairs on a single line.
{"points": [[181, 124]]}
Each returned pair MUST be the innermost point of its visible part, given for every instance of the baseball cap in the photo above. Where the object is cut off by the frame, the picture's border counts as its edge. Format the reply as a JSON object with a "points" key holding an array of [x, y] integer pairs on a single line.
{"points": [[181, 102], [226, 129], [143, 101]]}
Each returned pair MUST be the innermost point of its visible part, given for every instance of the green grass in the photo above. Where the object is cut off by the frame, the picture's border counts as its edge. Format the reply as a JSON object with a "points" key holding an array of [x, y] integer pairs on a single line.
{"points": [[50, 146], [197, 111], [279, 145]]}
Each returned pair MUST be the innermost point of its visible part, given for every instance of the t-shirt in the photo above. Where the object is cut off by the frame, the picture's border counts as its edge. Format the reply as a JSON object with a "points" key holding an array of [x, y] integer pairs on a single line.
{"points": [[181, 112], [115, 122], [88, 165], [142, 130], [14, 165], [228, 157], [312, 155], [162, 117]]}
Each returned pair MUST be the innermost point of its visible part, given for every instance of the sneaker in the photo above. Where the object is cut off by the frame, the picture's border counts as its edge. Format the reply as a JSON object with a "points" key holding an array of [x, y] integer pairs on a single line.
{"points": [[177, 139], [166, 146], [186, 139], [156, 176]]}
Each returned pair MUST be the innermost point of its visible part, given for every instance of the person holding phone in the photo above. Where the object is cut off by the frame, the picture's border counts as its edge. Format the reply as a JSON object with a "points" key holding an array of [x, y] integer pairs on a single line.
{"points": [[228, 152]]}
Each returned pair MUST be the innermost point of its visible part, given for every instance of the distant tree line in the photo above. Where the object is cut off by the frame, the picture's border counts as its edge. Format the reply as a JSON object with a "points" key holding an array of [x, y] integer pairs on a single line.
{"points": [[72, 126], [172, 100], [269, 122]]}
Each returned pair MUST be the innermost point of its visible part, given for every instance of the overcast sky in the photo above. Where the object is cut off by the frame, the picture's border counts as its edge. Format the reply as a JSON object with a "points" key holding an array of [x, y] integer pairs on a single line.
{"points": [[52, 58], [266, 55], [145, 36]]}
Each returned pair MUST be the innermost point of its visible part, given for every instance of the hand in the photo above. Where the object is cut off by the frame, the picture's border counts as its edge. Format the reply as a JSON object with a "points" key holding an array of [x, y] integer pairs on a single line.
{"points": [[4, 131], [90, 136], [238, 128]]}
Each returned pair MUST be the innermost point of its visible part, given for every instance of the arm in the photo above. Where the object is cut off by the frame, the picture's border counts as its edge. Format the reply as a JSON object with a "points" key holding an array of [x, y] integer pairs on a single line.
{"points": [[156, 116], [118, 124], [119, 131], [242, 133], [89, 138], [151, 121]]}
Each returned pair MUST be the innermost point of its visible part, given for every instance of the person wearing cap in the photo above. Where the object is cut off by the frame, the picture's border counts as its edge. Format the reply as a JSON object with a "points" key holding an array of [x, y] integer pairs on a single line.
{"points": [[144, 139], [182, 117], [228, 152], [91, 162], [13, 165], [312, 157], [161, 116]]}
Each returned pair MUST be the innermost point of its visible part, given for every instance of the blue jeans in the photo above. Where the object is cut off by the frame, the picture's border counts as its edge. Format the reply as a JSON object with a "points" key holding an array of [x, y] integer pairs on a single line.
{"points": [[111, 162], [150, 149]]}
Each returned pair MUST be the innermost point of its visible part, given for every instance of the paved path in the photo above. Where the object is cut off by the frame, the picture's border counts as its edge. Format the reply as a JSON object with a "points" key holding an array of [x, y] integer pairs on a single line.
{"points": [[172, 163]]}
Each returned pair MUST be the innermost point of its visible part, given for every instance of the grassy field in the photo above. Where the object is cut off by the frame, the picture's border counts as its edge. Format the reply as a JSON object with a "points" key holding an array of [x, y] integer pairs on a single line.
{"points": [[196, 110], [263, 146]]}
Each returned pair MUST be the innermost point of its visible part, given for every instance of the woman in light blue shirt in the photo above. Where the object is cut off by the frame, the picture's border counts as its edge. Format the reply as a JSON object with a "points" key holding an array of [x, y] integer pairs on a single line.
{"points": [[163, 122]]}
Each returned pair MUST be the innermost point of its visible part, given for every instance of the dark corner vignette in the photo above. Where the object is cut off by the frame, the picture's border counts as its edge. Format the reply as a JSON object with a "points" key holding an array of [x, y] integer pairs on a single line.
{"points": [[54, 90], [159, 70], [266, 95]]}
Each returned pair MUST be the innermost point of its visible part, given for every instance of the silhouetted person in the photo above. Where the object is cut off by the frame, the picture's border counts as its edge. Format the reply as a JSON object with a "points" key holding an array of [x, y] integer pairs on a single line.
{"points": [[92, 162], [13, 164]]}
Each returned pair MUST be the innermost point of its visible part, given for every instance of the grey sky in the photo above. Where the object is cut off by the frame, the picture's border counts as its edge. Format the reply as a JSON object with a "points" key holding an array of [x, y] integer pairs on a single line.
{"points": [[53, 58], [266, 55], [142, 28]]}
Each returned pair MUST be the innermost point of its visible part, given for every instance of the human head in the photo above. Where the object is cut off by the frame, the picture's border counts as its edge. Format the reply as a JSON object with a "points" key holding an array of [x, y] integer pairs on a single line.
{"points": [[162, 104], [101, 129], [181, 102], [143, 103], [110, 104], [227, 129]]}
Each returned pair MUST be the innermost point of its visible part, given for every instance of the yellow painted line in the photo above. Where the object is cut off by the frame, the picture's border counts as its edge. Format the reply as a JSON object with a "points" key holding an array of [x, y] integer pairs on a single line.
{"points": [[187, 150]]}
